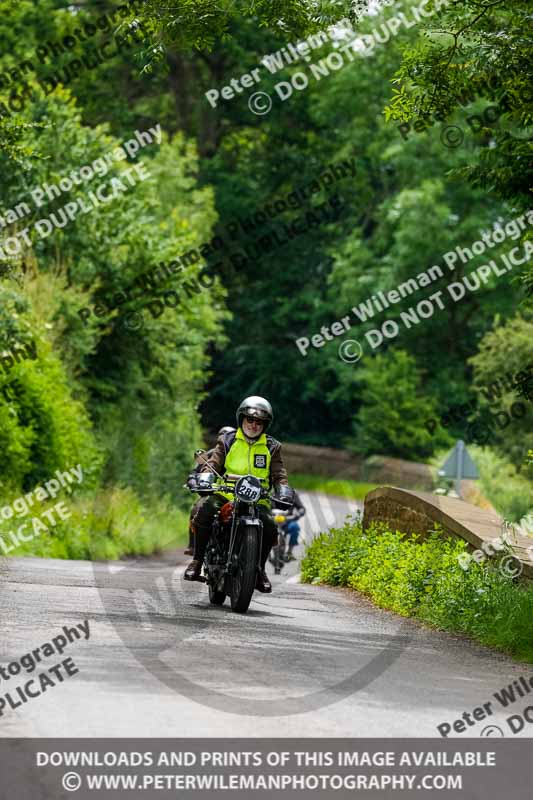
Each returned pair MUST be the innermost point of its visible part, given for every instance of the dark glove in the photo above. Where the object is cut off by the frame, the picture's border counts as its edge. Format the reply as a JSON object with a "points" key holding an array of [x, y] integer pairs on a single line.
{"points": [[285, 495]]}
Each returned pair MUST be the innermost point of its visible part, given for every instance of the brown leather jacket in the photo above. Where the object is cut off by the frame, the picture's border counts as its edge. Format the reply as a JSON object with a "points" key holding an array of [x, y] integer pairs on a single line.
{"points": [[278, 473]]}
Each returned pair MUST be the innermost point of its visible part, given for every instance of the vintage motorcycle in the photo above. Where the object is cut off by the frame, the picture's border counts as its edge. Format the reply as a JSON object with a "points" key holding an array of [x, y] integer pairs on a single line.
{"points": [[279, 554], [232, 557]]}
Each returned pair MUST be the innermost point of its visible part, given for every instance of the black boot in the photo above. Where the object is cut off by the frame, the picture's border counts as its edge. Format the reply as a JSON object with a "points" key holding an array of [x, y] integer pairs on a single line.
{"points": [[193, 571], [201, 539], [262, 584]]}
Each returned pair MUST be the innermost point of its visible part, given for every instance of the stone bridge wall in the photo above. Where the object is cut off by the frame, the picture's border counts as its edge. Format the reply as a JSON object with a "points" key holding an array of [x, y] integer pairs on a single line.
{"points": [[417, 512]]}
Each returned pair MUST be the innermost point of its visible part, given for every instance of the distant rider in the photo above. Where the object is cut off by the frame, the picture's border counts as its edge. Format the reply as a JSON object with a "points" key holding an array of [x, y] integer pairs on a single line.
{"points": [[247, 451]]}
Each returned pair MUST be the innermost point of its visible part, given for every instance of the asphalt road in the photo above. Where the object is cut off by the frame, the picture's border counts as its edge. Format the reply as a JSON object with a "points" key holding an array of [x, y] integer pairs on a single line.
{"points": [[161, 661]]}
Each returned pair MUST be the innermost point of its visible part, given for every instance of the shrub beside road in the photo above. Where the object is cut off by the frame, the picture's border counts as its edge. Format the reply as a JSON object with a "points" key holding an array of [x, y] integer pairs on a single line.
{"points": [[424, 580]]}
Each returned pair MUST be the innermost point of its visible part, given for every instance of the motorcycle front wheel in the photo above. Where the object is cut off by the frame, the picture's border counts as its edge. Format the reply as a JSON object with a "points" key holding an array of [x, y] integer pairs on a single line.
{"points": [[243, 581]]}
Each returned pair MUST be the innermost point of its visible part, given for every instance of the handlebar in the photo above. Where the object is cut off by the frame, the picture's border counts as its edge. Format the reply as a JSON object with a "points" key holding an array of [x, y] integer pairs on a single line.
{"points": [[230, 488], [290, 516]]}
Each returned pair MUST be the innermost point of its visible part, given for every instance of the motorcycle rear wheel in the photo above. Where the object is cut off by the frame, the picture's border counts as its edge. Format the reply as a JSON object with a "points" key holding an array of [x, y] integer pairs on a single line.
{"points": [[243, 581]]}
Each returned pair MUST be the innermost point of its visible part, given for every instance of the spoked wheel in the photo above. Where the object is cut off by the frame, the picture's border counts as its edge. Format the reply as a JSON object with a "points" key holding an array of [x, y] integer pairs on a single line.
{"points": [[215, 597], [243, 581]]}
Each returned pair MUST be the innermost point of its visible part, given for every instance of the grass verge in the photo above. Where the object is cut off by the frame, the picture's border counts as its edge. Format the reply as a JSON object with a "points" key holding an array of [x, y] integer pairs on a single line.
{"points": [[342, 488], [424, 580], [107, 526]]}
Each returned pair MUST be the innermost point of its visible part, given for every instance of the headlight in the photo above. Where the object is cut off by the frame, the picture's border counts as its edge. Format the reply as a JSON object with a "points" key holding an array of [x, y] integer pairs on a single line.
{"points": [[248, 489]]}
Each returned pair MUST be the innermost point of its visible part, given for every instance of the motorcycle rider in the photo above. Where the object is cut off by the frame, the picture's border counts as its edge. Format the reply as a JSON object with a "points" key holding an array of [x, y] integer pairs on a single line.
{"points": [[201, 459], [248, 450]]}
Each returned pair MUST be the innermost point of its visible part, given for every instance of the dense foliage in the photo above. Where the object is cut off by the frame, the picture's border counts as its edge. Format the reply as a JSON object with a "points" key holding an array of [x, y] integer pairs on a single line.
{"points": [[425, 579], [478, 44], [128, 400], [119, 400]]}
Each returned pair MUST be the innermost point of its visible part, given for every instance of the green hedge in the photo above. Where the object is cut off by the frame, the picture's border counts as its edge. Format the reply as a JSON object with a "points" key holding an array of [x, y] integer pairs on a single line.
{"points": [[425, 580], [106, 526]]}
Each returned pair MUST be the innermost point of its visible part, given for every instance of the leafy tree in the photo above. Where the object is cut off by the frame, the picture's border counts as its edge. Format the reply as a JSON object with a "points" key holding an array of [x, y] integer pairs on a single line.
{"points": [[127, 401], [393, 409], [113, 370], [202, 24], [477, 47], [504, 353], [44, 426], [400, 215]]}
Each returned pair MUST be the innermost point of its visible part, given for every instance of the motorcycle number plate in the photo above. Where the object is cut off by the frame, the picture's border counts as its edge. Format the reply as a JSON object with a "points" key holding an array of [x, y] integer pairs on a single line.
{"points": [[248, 491]]}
